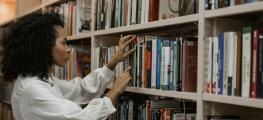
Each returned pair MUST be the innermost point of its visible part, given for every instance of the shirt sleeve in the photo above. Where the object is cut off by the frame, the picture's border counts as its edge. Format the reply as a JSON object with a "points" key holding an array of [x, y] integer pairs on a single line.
{"points": [[91, 86], [42, 104]]}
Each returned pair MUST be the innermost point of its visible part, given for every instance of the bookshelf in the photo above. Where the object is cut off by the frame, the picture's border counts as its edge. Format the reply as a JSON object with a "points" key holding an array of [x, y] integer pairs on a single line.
{"points": [[248, 102], [239, 9], [149, 25], [156, 92], [199, 22], [81, 36], [23, 8], [173, 94]]}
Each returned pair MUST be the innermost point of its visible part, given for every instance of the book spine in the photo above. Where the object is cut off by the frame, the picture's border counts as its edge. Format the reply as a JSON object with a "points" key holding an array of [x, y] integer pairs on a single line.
{"points": [[246, 61], [255, 64], [220, 63], [159, 57], [154, 62]]}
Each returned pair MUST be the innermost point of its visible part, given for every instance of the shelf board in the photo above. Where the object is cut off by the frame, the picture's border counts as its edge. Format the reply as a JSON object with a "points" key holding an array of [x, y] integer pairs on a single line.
{"points": [[51, 2], [80, 36], [165, 93], [39, 7], [241, 101], [149, 25], [235, 10], [6, 22]]}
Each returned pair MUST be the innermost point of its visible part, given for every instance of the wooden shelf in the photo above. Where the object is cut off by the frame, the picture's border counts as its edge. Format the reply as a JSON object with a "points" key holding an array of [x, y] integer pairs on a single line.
{"points": [[80, 36], [241, 101], [235, 10], [37, 8], [149, 25], [51, 2], [40, 7], [165, 93], [6, 22]]}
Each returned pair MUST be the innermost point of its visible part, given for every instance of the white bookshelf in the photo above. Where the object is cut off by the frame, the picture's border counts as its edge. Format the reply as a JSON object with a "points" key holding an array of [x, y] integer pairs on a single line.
{"points": [[149, 25], [174, 94], [36, 8], [241, 101], [235, 10], [200, 18], [7, 22], [80, 36], [164, 93]]}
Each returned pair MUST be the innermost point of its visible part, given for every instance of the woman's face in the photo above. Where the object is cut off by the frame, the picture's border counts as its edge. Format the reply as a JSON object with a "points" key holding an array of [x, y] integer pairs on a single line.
{"points": [[61, 50]]}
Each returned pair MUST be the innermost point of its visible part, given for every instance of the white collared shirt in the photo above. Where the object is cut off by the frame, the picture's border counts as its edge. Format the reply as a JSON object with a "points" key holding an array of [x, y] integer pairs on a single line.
{"points": [[33, 99]]}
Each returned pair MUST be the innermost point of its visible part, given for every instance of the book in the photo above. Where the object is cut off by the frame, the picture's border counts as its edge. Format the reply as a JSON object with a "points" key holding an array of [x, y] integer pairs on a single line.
{"points": [[215, 65], [255, 64], [220, 63], [189, 81], [246, 61], [237, 86], [165, 62]]}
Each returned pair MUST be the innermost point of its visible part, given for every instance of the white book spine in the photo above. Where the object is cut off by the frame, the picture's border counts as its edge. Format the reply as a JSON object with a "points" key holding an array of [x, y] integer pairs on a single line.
{"points": [[164, 63], [215, 65], [213, 4], [226, 61], [246, 64], [231, 62], [133, 14], [143, 11], [129, 12], [208, 64], [108, 13], [154, 62], [234, 62], [146, 13]]}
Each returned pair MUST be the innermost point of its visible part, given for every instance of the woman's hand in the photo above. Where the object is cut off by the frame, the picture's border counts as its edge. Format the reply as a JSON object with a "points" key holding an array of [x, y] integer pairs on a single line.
{"points": [[121, 54], [122, 81], [119, 85]]}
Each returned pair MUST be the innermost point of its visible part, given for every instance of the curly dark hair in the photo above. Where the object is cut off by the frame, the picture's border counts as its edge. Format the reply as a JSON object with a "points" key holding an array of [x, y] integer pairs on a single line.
{"points": [[28, 47]]}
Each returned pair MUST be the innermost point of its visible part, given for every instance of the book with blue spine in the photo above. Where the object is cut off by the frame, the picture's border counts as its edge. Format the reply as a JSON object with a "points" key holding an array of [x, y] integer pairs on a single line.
{"points": [[158, 65], [220, 63]]}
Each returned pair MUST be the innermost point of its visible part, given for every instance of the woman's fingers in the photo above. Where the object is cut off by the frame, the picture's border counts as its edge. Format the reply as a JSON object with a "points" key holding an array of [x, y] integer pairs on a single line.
{"points": [[129, 53], [128, 69], [123, 39], [130, 40]]}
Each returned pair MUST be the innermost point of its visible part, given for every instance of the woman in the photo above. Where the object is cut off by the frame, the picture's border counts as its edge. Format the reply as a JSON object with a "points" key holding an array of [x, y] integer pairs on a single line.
{"points": [[37, 43]]}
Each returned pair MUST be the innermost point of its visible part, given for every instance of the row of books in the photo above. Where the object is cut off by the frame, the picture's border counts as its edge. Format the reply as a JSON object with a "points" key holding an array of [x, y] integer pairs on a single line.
{"points": [[234, 63], [116, 13], [159, 62], [79, 64], [76, 16], [6, 112], [214, 4], [156, 109]]}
